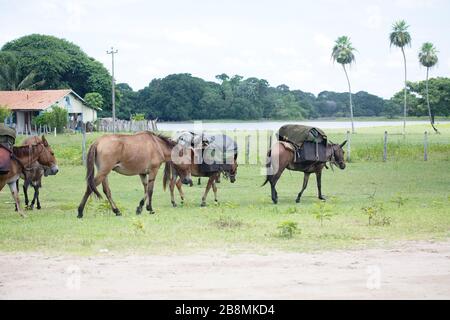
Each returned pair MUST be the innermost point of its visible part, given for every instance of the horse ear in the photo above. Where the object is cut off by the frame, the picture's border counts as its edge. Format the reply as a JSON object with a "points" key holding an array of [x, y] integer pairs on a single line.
{"points": [[343, 143], [44, 141]]}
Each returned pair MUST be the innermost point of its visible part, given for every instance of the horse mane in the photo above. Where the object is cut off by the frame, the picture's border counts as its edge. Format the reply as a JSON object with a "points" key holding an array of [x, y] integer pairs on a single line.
{"points": [[22, 150], [165, 139]]}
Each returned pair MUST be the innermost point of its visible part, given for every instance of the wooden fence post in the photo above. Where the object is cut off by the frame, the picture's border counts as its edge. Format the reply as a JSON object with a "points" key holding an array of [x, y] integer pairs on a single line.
{"points": [[425, 146], [349, 149], [385, 146], [83, 146], [247, 149]]}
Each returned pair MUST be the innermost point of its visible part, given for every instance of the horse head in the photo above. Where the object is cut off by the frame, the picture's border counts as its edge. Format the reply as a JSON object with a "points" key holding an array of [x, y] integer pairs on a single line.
{"points": [[182, 160], [47, 157], [337, 155]]}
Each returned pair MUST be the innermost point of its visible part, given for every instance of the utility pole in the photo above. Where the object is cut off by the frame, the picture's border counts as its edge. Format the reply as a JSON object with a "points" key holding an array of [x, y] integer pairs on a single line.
{"points": [[112, 53]]}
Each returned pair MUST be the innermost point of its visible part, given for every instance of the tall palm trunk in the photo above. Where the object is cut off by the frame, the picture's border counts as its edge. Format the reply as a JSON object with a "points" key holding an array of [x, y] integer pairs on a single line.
{"points": [[404, 107], [428, 103], [350, 95]]}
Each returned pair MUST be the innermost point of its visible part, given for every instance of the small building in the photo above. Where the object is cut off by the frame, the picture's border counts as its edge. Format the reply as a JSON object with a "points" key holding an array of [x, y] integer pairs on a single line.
{"points": [[26, 105]]}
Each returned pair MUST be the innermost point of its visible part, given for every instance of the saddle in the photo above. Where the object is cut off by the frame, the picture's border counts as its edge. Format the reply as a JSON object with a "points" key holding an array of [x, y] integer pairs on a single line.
{"points": [[5, 159], [309, 144], [7, 140], [218, 152]]}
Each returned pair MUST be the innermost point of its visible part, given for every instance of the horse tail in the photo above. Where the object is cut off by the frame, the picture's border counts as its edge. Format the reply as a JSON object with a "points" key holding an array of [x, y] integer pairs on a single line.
{"points": [[268, 165], [90, 172], [167, 174]]}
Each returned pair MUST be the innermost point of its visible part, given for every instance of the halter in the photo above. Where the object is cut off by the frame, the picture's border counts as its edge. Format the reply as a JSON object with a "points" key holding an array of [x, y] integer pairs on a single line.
{"points": [[30, 151]]}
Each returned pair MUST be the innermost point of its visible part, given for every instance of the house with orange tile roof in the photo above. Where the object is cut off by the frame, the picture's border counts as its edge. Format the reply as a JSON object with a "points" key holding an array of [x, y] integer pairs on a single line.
{"points": [[25, 105]]}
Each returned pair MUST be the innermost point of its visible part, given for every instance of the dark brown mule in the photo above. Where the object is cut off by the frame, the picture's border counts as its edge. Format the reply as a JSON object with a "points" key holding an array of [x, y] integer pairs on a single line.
{"points": [[281, 157], [23, 157], [175, 180], [139, 154], [33, 174]]}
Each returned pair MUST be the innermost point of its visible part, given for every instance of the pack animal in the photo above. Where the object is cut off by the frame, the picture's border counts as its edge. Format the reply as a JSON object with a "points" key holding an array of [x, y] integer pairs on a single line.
{"points": [[139, 154]]}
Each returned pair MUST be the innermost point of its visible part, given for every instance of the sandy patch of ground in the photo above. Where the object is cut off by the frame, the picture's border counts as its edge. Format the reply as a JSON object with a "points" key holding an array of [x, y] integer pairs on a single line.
{"points": [[411, 270]]}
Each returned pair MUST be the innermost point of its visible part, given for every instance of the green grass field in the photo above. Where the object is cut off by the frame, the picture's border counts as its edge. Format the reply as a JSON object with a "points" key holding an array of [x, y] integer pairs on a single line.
{"points": [[408, 198]]}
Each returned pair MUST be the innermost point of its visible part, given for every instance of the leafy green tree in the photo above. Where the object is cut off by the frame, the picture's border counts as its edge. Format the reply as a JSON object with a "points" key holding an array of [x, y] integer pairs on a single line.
{"points": [[344, 54], [94, 99], [428, 58], [439, 96], [55, 118], [12, 78], [400, 38], [62, 64]]}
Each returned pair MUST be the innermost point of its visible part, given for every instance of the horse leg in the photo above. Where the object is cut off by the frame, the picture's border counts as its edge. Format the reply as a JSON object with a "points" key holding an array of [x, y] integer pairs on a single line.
{"points": [[150, 186], [199, 182], [180, 190], [26, 184], [35, 196], [97, 180], [208, 187], [214, 187], [38, 203], [319, 184], [172, 189], [142, 202], [15, 195], [305, 184], [107, 192]]}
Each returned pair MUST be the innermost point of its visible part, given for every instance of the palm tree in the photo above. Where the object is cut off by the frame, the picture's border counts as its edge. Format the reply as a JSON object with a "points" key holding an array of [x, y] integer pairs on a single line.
{"points": [[400, 37], [428, 58], [12, 78], [343, 53]]}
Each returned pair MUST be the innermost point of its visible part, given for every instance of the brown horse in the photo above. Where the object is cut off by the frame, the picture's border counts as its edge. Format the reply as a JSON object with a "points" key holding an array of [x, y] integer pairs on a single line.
{"points": [[24, 157], [175, 180], [281, 157], [33, 174], [139, 154]]}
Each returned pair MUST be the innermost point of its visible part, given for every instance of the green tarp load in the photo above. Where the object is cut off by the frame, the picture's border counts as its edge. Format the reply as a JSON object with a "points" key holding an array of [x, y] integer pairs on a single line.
{"points": [[310, 143], [297, 134], [7, 135]]}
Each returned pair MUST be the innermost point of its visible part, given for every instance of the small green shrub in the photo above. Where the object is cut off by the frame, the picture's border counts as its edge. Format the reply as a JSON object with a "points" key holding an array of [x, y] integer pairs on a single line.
{"points": [[399, 200], [323, 211], [138, 226], [56, 118], [287, 229], [375, 214]]}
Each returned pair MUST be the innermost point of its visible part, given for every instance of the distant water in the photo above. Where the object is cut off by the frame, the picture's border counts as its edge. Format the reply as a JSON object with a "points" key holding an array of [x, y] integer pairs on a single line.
{"points": [[275, 125]]}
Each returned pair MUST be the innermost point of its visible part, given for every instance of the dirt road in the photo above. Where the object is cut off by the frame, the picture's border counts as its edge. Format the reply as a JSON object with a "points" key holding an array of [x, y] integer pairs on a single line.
{"points": [[410, 270]]}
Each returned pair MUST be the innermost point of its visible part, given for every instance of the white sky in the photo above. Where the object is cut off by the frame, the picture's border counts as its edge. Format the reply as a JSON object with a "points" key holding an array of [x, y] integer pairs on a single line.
{"points": [[281, 41]]}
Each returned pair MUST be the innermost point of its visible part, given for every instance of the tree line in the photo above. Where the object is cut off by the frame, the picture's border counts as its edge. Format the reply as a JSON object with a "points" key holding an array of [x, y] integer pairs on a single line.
{"points": [[46, 62]]}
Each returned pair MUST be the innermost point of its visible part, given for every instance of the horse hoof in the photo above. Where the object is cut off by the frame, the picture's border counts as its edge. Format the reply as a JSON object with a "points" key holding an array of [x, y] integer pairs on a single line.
{"points": [[322, 198], [275, 201], [297, 200], [174, 204], [151, 212], [203, 204], [80, 216], [117, 212], [138, 210]]}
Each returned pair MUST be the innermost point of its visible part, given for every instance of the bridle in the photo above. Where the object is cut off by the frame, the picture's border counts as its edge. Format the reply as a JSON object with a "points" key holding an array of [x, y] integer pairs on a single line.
{"points": [[332, 159]]}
